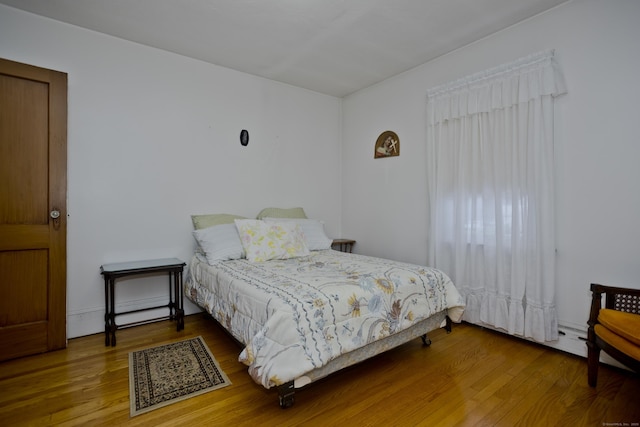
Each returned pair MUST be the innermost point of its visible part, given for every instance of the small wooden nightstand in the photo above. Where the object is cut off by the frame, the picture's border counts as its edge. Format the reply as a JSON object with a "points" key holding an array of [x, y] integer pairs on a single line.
{"points": [[344, 245]]}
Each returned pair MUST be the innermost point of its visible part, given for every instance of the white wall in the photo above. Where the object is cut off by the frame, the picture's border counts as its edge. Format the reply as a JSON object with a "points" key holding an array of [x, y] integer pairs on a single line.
{"points": [[598, 149], [153, 137]]}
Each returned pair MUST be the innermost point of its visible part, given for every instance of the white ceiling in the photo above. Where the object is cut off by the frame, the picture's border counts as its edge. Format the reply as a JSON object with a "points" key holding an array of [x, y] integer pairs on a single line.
{"points": [[334, 47]]}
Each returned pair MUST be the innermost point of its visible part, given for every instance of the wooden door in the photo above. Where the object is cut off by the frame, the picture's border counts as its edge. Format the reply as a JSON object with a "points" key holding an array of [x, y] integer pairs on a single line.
{"points": [[33, 192]]}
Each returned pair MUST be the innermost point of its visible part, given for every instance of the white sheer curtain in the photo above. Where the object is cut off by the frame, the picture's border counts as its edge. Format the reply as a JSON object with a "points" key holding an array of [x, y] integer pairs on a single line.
{"points": [[491, 193]]}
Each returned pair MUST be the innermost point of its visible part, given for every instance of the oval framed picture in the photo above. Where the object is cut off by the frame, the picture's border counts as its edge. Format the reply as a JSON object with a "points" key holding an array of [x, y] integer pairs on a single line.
{"points": [[387, 145]]}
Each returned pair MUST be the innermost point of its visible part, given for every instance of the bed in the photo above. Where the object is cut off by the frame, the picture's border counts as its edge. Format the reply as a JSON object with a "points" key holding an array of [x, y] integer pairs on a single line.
{"points": [[310, 311]]}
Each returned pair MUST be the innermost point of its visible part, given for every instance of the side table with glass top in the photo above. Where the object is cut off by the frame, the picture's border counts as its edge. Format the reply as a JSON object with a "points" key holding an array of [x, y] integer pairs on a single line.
{"points": [[172, 266]]}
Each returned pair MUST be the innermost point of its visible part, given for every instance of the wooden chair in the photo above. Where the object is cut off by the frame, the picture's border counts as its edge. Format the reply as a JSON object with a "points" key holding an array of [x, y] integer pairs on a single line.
{"points": [[614, 328]]}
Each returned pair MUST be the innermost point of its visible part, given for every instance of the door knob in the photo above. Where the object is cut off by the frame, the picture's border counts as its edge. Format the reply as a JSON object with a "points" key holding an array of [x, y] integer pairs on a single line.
{"points": [[55, 214]]}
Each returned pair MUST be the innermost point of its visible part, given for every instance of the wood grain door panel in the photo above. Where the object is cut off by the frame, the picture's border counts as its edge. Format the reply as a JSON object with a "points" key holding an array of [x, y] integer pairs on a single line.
{"points": [[33, 115]]}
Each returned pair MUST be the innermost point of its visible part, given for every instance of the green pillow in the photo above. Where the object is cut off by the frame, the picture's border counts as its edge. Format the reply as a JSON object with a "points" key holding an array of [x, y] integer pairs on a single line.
{"points": [[206, 221], [281, 213]]}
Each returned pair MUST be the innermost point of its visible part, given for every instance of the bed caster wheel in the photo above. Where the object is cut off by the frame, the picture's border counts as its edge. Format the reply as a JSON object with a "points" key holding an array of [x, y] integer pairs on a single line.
{"points": [[286, 394], [286, 401], [425, 341]]}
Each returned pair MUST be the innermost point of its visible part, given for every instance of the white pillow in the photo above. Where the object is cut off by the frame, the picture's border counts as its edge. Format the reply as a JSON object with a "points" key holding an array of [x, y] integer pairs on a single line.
{"points": [[220, 242], [264, 241], [313, 230]]}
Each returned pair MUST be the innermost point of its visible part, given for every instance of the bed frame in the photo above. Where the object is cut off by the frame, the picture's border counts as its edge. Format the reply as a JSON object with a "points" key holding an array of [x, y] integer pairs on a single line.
{"points": [[286, 391]]}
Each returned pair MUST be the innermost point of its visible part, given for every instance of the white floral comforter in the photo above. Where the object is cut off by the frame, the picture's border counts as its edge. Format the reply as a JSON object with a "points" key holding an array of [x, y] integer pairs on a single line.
{"points": [[296, 315]]}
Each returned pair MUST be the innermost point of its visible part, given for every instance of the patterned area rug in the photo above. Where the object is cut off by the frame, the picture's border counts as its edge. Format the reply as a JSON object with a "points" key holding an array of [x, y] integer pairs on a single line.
{"points": [[160, 376]]}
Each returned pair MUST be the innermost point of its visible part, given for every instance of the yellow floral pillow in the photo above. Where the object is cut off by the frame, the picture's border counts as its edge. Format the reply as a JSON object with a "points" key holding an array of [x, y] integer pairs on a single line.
{"points": [[265, 241]]}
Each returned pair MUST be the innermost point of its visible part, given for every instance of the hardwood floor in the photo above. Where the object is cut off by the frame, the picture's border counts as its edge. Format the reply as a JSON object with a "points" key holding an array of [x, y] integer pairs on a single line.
{"points": [[471, 377]]}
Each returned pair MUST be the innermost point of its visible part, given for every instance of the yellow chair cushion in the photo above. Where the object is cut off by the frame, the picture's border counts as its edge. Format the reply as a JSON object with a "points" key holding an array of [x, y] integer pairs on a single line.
{"points": [[627, 325], [614, 340]]}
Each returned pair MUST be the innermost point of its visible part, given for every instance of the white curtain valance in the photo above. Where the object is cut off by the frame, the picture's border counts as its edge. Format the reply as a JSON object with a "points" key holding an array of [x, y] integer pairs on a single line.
{"points": [[500, 87]]}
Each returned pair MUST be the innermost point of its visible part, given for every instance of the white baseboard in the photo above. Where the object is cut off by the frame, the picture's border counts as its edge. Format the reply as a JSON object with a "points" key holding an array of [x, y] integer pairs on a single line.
{"points": [[571, 340], [574, 341], [91, 321]]}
